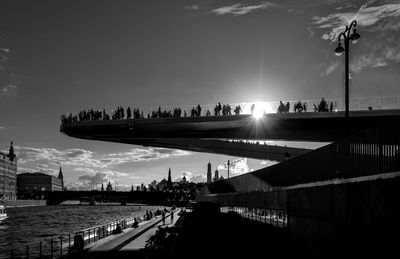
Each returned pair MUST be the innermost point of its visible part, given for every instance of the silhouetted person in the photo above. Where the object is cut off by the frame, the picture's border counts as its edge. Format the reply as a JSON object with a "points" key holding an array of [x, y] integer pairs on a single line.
{"points": [[78, 243], [135, 223], [281, 107], [331, 107], [172, 216], [128, 113], [370, 108], [253, 107], [163, 217], [287, 107], [118, 229], [323, 105]]}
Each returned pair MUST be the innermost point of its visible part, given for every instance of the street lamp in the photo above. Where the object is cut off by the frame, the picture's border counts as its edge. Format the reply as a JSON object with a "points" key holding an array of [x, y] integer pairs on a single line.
{"points": [[339, 50], [229, 162]]}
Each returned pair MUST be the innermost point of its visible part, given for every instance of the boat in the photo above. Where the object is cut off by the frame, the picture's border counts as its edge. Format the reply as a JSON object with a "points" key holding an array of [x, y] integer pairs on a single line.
{"points": [[3, 214]]}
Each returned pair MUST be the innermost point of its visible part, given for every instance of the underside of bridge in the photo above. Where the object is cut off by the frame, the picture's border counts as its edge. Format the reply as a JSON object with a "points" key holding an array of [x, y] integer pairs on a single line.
{"points": [[208, 134]]}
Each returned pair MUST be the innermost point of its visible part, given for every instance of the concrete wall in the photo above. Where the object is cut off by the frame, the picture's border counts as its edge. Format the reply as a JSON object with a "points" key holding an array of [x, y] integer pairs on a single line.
{"points": [[354, 217]]}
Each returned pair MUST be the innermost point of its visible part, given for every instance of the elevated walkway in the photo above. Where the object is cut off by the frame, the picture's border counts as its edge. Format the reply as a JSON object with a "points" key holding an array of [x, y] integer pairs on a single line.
{"points": [[204, 134]]}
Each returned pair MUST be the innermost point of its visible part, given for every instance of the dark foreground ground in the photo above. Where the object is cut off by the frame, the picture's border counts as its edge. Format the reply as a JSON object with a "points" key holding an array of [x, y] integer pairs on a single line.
{"points": [[214, 236]]}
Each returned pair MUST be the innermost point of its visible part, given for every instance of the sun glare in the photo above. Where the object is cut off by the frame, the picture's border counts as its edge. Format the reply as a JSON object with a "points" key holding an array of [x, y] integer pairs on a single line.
{"points": [[258, 111]]}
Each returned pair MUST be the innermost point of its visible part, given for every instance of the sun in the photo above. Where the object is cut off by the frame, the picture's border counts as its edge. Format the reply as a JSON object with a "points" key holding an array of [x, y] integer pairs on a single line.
{"points": [[258, 112]]}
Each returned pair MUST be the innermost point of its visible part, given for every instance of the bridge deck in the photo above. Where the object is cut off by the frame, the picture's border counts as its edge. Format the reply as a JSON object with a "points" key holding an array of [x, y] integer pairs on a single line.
{"points": [[318, 126]]}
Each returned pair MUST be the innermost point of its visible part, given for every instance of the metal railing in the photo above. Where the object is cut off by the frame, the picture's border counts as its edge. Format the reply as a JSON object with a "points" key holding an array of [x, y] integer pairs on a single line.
{"points": [[372, 151], [60, 246], [274, 217], [356, 104]]}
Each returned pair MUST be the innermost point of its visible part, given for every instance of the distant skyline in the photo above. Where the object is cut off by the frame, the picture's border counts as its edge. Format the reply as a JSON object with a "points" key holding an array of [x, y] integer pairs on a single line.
{"points": [[65, 56]]}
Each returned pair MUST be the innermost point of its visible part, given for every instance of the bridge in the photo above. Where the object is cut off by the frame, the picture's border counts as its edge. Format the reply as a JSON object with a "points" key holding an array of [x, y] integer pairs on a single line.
{"points": [[210, 133], [342, 197]]}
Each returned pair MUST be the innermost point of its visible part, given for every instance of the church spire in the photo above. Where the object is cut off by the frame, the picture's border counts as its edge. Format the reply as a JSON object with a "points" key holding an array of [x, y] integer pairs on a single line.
{"points": [[169, 178], [61, 177], [11, 153]]}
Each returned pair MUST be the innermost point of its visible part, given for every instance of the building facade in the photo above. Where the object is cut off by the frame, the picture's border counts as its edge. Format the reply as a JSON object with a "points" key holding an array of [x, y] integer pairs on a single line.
{"points": [[8, 175], [38, 182]]}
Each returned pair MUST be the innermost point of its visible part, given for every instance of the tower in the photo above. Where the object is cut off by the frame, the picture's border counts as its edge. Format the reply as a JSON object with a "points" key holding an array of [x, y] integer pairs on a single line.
{"points": [[109, 187], [216, 177], [11, 153], [102, 187], [169, 178], [61, 177], [209, 180]]}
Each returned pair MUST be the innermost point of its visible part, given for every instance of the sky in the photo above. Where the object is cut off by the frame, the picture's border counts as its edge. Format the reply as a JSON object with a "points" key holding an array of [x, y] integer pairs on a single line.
{"points": [[66, 56]]}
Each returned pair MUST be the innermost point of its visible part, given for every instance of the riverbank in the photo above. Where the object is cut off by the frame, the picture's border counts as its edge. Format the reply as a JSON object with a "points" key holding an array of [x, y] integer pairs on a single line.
{"points": [[32, 225]]}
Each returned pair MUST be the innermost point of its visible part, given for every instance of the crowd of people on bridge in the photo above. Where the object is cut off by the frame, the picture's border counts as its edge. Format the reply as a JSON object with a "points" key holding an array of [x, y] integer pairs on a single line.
{"points": [[302, 107], [219, 110]]}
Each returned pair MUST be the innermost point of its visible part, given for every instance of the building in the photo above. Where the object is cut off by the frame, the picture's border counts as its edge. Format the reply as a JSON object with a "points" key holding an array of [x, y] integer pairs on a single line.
{"points": [[109, 187], [163, 185], [38, 182], [209, 176], [153, 186], [61, 177], [216, 177], [8, 174]]}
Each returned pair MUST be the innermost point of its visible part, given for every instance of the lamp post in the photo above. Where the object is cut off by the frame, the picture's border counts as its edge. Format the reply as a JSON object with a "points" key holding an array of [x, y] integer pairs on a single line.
{"points": [[339, 50], [228, 167]]}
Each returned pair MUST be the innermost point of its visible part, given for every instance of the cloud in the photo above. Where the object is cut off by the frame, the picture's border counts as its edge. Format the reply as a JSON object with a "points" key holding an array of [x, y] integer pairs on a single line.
{"points": [[241, 9], [330, 68], [142, 154], [97, 178], [198, 178], [8, 89], [268, 163], [82, 157], [310, 32], [2, 127], [379, 26], [93, 180], [191, 7], [366, 16], [191, 177], [236, 167]]}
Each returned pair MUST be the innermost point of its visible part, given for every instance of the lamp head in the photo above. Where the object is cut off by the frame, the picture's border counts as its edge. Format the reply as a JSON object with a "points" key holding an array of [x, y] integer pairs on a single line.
{"points": [[339, 50], [355, 36]]}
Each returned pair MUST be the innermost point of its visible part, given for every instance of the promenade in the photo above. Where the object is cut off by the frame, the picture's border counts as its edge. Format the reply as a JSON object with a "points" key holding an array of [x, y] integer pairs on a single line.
{"points": [[204, 235], [131, 242]]}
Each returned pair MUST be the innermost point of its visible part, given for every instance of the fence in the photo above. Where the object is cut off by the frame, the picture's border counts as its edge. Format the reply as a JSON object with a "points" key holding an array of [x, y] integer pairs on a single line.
{"points": [[275, 217], [392, 102], [58, 247], [373, 151]]}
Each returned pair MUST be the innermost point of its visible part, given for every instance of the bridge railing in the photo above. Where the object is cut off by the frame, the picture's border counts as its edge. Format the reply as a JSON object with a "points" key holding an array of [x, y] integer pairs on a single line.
{"points": [[372, 151], [392, 102], [65, 244]]}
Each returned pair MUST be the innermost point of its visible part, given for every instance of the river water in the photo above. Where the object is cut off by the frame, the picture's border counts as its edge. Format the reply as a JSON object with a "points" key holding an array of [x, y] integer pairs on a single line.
{"points": [[33, 224]]}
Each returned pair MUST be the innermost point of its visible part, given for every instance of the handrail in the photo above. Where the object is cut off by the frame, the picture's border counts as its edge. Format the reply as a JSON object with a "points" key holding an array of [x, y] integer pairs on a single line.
{"points": [[356, 104], [58, 246], [373, 151]]}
